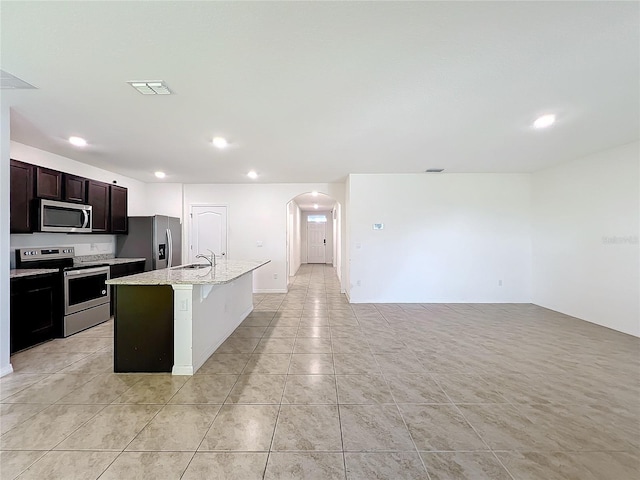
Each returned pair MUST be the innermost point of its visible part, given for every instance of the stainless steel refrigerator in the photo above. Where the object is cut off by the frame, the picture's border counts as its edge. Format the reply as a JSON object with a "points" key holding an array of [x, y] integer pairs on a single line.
{"points": [[158, 239]]}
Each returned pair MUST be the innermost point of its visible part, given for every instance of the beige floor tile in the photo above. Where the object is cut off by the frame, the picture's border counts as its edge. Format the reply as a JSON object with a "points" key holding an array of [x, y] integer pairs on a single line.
{"points": [[13, 414], [270, 363], [148, 465], [310, 389], [101, 362], [49, 390], [46, 429], [308, 466], [257, 388], [308, 427], [275, 345], [103, 388], [363, 389], [440, 427], [211, 389], [314, 332], [399, 465], [462, 388], [42, 362], [226, 466], [153, 389], [371, 428], [311, 363], [572, 465], [312, 345], [415, 388], [227, 363], [355, 363], [111, 429], [176, 428], [13, 463], [456, 465], [238, 345], [69, 465], [247, 428], [15, 382]]}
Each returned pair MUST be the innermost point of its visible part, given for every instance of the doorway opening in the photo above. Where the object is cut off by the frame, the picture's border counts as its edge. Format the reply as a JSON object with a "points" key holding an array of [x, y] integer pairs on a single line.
{"points": [[313, 232]]}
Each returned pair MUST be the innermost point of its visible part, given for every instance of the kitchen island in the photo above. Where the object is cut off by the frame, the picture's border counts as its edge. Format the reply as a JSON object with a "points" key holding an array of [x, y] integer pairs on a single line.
{"points": [[172, 320]]}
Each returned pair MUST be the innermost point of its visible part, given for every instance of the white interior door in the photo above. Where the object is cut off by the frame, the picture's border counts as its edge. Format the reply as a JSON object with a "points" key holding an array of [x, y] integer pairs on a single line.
{"points": [[208, 231], [316, 242]]}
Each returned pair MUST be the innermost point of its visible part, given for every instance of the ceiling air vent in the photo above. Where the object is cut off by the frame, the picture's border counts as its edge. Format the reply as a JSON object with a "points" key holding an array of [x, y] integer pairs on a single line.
{"points": [[151, 88], [12, 82], [434, 170]]}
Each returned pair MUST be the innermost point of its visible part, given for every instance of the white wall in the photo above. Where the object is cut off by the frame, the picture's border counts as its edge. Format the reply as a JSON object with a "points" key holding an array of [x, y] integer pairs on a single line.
{"points": [[328, 234], [585, 238], [84, 244], [446, 238], [257, 212], [164, 199], [294, 237], [5, 365]]}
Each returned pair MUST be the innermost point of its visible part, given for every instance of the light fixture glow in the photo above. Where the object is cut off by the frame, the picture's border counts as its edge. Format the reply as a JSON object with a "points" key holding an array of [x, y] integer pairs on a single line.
{"points": [[220, 142], [314, 193], [160, 174], [544, 121], [77, 141], [252, 174], [315, 205]]}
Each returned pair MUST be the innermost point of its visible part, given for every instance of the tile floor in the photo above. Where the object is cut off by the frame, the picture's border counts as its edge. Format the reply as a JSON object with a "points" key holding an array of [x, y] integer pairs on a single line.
{"points": [[310, 387]]}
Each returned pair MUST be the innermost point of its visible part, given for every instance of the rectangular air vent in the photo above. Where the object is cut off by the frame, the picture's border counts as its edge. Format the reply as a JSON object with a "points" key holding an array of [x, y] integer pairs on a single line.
{"points": [[12, 82], [151, 88], [434, 170]]}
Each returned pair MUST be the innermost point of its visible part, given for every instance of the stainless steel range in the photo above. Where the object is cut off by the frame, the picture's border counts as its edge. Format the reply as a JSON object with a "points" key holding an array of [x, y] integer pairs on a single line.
{"points": [[86, 296]]}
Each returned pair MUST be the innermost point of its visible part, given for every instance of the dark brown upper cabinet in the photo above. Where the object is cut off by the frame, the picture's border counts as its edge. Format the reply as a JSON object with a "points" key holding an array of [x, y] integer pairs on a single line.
{"points": [[75, 188], [48, 183], [118, 209], [21, 196], [98, 196]]}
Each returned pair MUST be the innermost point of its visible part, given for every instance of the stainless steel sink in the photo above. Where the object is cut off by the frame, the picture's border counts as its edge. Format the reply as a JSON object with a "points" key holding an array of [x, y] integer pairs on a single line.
{"points": [[194, 266]]}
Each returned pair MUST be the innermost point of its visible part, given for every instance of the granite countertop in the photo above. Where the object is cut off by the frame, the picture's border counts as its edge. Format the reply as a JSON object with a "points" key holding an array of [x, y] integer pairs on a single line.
{"points": [[30, 272], [225, 271], [108, 261]]}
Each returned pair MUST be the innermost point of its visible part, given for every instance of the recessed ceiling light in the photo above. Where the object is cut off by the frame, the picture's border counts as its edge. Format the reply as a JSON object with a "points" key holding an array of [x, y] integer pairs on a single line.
{"points": [[220, 142], [156, 87], [315, 205], [77, 141], [434, 170], [544, 121], [252, 174], [160, 174], [314, 193]]}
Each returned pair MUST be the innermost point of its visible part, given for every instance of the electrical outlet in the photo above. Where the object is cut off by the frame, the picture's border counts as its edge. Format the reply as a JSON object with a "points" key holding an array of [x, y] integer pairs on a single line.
{"points": [[275, 276], [358, 283], [499, 283]]}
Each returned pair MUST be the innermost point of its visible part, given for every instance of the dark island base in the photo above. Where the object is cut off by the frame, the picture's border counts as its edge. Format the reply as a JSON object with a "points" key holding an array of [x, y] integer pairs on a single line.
{"points": [[143, 328]]}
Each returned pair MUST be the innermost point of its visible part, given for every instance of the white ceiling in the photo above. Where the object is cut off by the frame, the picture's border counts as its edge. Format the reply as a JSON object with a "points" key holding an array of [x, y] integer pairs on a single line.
{"points": [[313, 91], [306, 202]]}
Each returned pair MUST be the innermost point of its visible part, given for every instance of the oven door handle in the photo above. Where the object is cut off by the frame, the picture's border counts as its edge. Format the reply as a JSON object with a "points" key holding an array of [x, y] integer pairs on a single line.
{"points": [[170, 245], [87, 271]]}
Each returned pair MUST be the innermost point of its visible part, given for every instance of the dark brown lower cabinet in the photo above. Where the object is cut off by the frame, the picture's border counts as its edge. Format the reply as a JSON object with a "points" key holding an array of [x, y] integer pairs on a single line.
{"points": [[36, 310], [143, 334]]}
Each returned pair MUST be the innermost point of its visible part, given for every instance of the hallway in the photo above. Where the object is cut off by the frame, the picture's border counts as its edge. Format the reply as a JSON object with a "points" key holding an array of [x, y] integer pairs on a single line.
{"points": [[312, 387]]}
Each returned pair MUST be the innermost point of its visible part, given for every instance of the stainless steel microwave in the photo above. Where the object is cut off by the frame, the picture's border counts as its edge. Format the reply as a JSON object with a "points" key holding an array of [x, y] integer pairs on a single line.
{"points": [[65, 217]]}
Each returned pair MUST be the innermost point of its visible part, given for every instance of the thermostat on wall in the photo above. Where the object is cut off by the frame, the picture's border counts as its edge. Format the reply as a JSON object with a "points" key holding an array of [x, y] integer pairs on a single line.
{"points": [[378, 226]]}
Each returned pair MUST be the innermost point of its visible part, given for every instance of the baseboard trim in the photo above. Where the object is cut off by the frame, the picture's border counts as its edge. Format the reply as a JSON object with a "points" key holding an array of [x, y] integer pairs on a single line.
{"points": [[6, 370]]}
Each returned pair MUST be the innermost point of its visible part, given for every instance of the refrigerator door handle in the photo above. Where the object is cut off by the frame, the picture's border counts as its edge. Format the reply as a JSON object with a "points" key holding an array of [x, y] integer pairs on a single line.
{"points": [[170, 249]]}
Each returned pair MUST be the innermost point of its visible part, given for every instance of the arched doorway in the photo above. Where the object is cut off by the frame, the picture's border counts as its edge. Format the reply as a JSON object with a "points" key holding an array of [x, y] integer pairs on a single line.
{"points": [[314, 233]]}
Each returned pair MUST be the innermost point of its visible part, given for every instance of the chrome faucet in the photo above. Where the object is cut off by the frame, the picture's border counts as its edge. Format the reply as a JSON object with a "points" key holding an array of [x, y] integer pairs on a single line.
{"points": [[211, 259]]}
